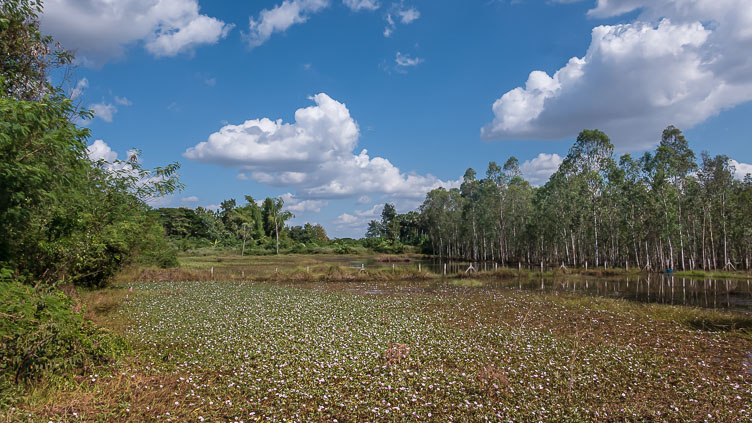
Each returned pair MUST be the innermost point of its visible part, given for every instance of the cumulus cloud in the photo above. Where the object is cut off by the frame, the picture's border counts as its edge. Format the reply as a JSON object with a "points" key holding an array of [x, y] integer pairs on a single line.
{"points": [[99, 150], [742, 169], [314, 155], [539, 169], [100, 30], [280, 18], [358, 5], [191, 199], [298, 206], [677, 63], [104, 111], [359, 218]]}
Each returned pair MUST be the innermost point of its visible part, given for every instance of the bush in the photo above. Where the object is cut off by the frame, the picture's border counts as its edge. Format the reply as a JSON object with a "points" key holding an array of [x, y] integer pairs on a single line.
{"points": [[42, 337]]}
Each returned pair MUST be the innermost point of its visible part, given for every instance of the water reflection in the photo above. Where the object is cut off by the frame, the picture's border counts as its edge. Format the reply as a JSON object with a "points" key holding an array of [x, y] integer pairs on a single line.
{"points": [[709, 293], [652, 288]]}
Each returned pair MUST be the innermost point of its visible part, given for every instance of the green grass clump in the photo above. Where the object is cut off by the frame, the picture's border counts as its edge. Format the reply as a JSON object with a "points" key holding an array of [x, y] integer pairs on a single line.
{"points": [[41, 337], [466, 283]]}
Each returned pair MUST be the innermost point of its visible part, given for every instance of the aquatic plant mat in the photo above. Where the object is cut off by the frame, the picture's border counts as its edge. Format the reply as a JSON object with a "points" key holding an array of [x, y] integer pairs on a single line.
{"points": [[382, 351]]}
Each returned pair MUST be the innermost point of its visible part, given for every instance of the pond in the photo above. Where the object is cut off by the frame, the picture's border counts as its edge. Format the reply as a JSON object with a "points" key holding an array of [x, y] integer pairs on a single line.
{"points": [[734, 294]]}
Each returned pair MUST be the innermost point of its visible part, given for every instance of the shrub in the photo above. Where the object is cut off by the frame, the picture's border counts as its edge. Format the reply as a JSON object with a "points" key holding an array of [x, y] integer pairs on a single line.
{"points": [[41, 337]]}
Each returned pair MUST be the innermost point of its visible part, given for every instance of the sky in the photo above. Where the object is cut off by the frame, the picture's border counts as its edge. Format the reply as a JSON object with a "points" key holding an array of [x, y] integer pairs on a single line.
{"points": [[340, 106]]}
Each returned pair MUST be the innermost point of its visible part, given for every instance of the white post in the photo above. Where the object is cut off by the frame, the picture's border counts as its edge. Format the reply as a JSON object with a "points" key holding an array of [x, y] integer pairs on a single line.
{"points": [[418, 267], [212, 272], [444, 269]]}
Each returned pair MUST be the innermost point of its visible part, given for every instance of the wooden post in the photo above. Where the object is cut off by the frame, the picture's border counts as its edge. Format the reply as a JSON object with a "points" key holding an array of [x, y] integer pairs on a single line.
{"points": [[541, 268], [212, 272], [496, 266], [418, 267], [276, 270], [392, 267], [242, 273], [585, 265], [444, 269], [308, 269]]}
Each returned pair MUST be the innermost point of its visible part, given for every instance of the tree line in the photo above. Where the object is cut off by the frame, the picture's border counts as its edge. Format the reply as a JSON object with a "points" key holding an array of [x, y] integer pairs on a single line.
{"points": [[666, 209], [247, 227]]}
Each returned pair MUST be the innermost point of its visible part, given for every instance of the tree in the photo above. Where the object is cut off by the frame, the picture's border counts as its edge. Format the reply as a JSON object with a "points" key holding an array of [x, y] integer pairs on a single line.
{"points": [[274, 217], [588, 159], [62, 216]]}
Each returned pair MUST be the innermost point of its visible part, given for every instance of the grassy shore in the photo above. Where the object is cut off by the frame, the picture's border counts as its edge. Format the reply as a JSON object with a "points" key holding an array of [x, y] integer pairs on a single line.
{"points": [[372, 348]]}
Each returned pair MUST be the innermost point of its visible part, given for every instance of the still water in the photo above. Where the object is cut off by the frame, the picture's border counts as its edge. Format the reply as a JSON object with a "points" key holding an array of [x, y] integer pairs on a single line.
{"points": [[735, 294]]}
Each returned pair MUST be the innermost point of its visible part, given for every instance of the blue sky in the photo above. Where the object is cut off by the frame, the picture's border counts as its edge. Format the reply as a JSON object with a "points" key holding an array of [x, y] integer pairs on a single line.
{"points": [[428, 88]]}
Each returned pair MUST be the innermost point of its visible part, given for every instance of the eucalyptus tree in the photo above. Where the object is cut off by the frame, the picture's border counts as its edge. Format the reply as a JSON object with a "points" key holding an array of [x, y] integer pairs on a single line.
{"points": [[673, 163], [469, 190], [717, 176], [588, 160]]}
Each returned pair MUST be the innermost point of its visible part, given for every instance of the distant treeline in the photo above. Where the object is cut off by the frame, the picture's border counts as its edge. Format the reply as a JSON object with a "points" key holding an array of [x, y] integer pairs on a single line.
{"points": [[250, 227], [662, 210]]}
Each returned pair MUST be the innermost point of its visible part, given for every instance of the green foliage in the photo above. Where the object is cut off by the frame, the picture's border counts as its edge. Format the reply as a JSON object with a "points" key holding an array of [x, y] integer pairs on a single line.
{"points": [[62, 216], [663, 210], [41, 336]]}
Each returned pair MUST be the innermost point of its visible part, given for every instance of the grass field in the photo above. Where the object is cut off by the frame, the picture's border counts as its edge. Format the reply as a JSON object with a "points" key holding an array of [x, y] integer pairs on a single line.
{"points": [[381, 350]]}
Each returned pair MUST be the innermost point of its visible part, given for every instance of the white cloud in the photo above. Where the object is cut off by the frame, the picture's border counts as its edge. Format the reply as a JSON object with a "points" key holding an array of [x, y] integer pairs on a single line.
{"points": [[539, 169], [364, 199], [100, 30], [359, 218], [99, 150], [79, 89], [358, 5], [678, 63], [408, 16], [405, 15], [405, 61], [191, 199], [314, 155], [299, 206], [212, 207], [390, 25], [280, 18], [123, 101], [104, 111], [742, 169]]}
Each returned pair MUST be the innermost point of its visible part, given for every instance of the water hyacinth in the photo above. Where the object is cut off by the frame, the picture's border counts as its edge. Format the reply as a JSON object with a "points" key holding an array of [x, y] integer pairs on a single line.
{"points": [[259, 352]]}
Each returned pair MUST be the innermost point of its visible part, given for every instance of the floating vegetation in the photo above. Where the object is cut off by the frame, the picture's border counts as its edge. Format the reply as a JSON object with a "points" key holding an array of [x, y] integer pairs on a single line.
{"points": [[244, 351]]}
